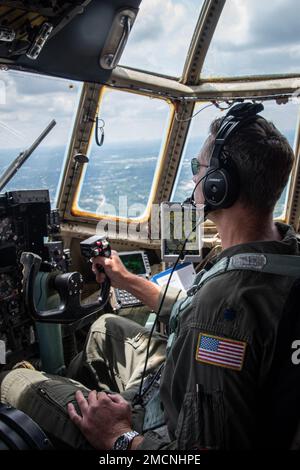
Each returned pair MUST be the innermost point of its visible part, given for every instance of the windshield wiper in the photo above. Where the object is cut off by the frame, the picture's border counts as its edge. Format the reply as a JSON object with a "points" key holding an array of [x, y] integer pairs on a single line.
{"points": [[23, 156]]}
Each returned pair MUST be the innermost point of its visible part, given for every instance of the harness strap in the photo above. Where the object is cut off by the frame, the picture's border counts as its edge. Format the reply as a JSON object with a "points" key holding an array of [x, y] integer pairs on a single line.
{"points": [[284, 265]]}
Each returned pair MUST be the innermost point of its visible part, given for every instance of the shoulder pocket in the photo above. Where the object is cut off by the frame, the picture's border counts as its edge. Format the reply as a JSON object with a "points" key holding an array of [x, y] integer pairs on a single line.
{"points": [[201, 421]]}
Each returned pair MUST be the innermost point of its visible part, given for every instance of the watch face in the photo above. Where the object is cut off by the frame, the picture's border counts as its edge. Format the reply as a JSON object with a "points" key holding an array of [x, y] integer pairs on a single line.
{"points": [[122, 443]]}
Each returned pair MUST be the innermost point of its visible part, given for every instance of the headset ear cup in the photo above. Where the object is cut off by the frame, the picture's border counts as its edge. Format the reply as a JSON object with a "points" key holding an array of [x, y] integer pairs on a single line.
{"points": [[220, 188]]}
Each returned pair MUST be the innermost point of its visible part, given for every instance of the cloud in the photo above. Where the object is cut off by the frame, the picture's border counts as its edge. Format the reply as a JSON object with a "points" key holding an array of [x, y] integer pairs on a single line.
{"points": [[245, 24], [131, 117], [255, 38], [29, 108], [244, 62], [276, 24], [283, 116], [161, 35], [252, 37]]}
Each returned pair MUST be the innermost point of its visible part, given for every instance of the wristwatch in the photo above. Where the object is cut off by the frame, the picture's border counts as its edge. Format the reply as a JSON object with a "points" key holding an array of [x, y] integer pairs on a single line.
{"points": [[123, 441]]}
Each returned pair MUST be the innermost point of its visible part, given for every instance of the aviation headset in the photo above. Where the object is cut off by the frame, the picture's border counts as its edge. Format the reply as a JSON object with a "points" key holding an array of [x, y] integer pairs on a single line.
{"points": [[221, 185]]}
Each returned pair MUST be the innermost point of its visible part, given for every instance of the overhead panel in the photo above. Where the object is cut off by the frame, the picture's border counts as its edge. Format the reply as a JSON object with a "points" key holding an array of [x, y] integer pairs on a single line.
{"points": [[78, 40]]}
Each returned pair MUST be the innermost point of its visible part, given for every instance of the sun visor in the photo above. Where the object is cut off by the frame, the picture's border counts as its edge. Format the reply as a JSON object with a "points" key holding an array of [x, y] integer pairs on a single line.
{"points": [[78, 40]]}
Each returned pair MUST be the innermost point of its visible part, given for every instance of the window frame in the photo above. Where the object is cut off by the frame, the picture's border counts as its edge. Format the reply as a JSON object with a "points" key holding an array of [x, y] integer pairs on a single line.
{"points": [[77, 212]]}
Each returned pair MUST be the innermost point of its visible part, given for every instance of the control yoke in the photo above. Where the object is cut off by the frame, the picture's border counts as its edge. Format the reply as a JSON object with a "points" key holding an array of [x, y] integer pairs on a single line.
{"points": [[68, 285]]}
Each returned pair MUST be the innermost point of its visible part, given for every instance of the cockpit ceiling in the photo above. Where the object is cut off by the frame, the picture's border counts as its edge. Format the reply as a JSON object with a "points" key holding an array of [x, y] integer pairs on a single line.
{"points": [[75, 35]]}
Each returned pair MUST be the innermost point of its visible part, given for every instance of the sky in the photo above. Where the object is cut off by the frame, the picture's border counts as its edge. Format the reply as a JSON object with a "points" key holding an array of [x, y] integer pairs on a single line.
{"points": [[253, 36], [29, 102], [161, 35]]}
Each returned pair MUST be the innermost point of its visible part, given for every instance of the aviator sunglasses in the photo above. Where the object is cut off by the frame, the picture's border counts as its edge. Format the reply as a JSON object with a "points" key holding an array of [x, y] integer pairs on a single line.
{"points": [[196, 165]]}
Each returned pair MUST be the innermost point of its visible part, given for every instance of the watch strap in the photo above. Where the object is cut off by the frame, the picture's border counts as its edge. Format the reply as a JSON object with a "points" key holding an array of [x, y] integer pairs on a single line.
{"points": [[130, 435]]}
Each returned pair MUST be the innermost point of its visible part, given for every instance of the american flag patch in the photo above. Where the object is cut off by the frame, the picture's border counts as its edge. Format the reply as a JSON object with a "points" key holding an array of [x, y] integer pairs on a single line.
{"points": [[221, 352]]}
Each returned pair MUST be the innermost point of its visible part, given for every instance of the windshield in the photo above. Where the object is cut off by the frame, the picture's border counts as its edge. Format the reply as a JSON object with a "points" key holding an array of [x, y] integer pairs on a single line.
{"points": [[28, 103], [119, 176], [255, 38], [161, 35]]}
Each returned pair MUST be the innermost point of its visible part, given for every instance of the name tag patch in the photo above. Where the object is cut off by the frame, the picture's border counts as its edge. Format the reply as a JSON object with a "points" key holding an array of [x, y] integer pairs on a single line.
{"points": [[222, 352]]}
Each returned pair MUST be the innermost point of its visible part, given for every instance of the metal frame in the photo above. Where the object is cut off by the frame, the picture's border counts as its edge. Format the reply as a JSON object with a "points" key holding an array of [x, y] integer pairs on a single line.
{"points": [[293, 209], [204, 31], [75, 175], [83, 127]]}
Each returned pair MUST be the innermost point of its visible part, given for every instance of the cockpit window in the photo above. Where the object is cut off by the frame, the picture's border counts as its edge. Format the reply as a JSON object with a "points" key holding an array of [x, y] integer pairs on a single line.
{"points": [[161, 35], [285, 118], [121, 173], [28, 103], [254, 37]]}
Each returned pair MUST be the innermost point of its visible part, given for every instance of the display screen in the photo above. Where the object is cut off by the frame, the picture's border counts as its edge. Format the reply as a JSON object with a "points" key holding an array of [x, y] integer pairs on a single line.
{"points": [[180, 224], [134, 263], [175, 243]]}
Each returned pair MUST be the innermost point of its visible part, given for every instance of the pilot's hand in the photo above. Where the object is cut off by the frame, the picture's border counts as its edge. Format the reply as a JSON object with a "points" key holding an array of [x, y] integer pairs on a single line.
{"points": [[104, 417], [114, 268]]}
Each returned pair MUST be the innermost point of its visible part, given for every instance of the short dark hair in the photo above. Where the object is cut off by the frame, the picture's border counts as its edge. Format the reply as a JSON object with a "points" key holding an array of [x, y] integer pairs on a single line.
{"points": [[264, 159]]}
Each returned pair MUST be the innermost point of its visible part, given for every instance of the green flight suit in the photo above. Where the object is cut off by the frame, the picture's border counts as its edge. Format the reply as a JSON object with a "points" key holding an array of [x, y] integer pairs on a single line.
{"points": [[253, 403], [212, 400]]}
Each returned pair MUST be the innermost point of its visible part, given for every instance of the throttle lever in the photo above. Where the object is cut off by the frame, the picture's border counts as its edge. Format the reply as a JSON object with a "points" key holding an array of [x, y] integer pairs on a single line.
{"points": [[69, 287], [93, 247]]}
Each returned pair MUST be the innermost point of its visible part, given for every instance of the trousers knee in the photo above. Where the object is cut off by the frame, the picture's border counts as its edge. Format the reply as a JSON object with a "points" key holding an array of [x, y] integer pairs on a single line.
{"points": [[102, 322], [15, 383]]}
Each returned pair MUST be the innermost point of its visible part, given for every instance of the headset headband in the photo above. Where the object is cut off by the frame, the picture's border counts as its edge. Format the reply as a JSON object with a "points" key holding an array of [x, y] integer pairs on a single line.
{"points": [[238, 116]]}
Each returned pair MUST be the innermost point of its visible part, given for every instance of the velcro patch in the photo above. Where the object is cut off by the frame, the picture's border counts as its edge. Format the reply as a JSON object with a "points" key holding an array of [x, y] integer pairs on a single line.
{"points": [[222, 352]]}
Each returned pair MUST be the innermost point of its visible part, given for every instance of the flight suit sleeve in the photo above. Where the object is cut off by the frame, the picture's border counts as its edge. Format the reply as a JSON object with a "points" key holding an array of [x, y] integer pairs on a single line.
{"points": [[210, 399], [213, 394], [215, 404], [173, 294]]}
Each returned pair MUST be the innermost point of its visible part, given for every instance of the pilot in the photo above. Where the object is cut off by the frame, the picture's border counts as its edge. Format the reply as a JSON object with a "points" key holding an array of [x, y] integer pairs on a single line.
{"points": [[226, 376]]}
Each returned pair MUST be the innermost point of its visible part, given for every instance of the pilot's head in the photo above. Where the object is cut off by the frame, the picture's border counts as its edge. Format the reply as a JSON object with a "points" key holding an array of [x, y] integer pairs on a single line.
{"points": [[263, 159]]}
